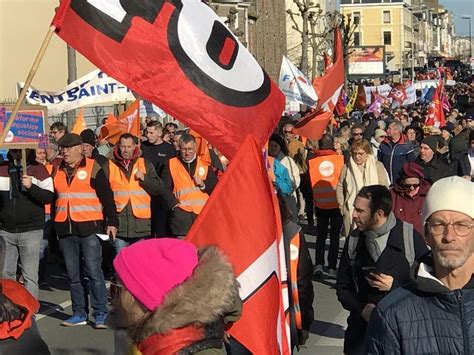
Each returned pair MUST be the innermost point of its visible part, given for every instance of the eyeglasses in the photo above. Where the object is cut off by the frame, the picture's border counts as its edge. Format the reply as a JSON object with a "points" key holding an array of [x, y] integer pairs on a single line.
{"points": [[382, 136], [461, 228], [357, 133], [409, 186]]}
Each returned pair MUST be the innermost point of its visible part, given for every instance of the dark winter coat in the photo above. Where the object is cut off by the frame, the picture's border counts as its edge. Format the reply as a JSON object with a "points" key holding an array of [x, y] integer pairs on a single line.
{"points": [[437, 169], [407, 208], [21, 209], [424, 317], [394, 155], [353, 290]]}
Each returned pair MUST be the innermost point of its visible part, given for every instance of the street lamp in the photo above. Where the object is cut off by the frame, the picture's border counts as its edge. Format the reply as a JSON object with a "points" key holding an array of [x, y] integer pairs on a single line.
{"points": [[470, 35]]}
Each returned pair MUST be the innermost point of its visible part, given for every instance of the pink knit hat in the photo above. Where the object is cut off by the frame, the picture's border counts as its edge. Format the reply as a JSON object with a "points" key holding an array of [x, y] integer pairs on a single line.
{"points": [[151, 268]]}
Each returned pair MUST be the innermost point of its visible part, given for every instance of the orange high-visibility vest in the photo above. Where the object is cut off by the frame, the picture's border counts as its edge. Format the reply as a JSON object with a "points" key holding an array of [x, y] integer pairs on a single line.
{"points": [[191, 198], [79, 200], [293, 281], [47, 208], [130, 190], [324, 173], [271, 173]]}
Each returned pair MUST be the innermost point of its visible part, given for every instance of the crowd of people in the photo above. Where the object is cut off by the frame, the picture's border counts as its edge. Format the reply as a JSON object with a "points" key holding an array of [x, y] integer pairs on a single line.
{"points": [[382, 181]]}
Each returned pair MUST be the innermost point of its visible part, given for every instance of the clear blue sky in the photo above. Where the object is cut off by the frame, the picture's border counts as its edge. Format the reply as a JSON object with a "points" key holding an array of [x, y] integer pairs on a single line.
{"points": [[460, 8]]}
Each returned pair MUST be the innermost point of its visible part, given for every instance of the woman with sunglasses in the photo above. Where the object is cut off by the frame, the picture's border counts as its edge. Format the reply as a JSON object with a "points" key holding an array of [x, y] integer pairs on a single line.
{"points": [[409, 193]]}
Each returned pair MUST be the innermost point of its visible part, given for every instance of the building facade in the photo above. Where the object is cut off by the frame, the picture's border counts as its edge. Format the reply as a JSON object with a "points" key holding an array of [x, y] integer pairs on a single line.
{"points": [[411, 30]]}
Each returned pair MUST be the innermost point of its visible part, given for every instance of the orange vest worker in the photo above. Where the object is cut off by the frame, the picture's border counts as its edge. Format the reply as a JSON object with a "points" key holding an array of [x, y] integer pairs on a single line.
{"points": [[324, 172], [78, 200], [191, 198], [130, 190]]}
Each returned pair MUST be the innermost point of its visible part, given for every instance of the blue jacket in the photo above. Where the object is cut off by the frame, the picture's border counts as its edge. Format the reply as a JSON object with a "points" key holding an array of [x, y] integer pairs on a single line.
{"points": [[423, 317], [394, 155], [282, 178]]}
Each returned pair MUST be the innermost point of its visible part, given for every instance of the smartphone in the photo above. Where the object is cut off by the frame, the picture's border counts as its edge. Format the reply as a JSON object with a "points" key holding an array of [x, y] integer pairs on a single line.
{"points": [[368, 270]]}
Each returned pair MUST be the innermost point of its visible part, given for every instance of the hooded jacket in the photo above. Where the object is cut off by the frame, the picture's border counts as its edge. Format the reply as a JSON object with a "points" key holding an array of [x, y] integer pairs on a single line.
{"points": [[20, 337], [192, 317], [394, 155], [424, 317]]}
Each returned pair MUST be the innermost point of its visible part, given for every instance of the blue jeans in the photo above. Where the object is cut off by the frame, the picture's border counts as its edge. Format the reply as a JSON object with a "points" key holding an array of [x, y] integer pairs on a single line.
{"points": [[26, 246], [120, 243], [83, 257]]}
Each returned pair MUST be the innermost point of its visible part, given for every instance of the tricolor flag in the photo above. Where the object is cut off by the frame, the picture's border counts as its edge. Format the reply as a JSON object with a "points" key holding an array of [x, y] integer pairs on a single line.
{"points": [[249, 232], [436, 116], [180, 56]]}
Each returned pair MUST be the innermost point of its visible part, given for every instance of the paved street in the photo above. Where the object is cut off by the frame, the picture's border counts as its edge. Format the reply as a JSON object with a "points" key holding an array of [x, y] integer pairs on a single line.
{"points": [[327, 331]]}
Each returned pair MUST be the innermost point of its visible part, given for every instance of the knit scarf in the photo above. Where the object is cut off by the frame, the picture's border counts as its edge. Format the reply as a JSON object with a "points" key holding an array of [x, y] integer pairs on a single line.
{"points": [[356, 180], [126, 162], [376, 240]]}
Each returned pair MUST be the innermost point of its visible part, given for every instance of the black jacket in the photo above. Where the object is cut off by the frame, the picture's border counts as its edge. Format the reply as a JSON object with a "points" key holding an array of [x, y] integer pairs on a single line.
{"points": [[353, 290], [22, 210], [424, 317], [101, 186], [30, 342], [437, 168]]}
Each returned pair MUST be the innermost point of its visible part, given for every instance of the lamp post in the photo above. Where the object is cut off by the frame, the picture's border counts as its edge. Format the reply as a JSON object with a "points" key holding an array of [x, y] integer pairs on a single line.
{"points": [[470, 35]]}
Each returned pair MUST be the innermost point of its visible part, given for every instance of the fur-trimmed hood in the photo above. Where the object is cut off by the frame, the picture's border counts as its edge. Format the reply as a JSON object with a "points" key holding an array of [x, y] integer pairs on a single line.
{"points": [[207, 296]]}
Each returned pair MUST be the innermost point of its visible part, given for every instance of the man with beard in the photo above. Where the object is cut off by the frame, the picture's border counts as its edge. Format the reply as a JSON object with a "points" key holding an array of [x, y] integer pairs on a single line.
{"points": [[434, 313], [376, 259]]}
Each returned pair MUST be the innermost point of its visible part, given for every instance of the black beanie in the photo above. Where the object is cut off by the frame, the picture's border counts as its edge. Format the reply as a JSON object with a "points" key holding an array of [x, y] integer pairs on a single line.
{"points": [[88, 136], [432, 142]]}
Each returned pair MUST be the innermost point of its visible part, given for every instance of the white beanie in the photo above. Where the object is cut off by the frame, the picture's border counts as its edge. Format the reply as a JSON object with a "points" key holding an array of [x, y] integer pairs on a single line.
{"points": [[453, 193]]}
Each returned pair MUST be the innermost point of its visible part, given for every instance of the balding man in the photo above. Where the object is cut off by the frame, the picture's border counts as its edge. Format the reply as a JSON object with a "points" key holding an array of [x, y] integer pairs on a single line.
{"points": [[434, 314]]}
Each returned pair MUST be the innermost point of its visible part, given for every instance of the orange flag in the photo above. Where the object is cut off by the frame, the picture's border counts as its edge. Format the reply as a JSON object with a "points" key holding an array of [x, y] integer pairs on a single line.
{"points": [[249, 233], [202, 149], [128, 121], [313, 125], [132, 116], [111, 119], [80, 123]]}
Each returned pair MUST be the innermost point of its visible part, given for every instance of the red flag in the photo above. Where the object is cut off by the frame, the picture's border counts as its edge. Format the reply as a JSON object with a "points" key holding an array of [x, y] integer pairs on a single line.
{"points": [[178, 55], [398, 93], [248, 231], [361, 100], [80, 123], [435, 109], [327, 62], [330, 84], [340, 108], [313, 125]]}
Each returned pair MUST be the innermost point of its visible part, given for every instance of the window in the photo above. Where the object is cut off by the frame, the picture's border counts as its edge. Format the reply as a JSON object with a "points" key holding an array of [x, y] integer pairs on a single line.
{"points": [[386, 17], [356, 1], [356, 38], [387, 37], [356, 16]]}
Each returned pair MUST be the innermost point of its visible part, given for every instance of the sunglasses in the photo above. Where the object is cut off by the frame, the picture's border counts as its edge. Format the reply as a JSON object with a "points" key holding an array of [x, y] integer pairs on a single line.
{"points": [[409, 186], [287, 131], [357, 134]]}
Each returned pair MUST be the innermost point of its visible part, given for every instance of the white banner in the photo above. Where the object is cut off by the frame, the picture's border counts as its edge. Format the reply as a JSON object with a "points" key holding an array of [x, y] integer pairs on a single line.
{"points": [[93, 88], [383, 90], [422, 84], [295, 85]]}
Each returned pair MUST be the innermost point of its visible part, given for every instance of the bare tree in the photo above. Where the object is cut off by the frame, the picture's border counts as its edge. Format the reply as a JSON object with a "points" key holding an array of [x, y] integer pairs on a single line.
{"points": [[306, 8]]}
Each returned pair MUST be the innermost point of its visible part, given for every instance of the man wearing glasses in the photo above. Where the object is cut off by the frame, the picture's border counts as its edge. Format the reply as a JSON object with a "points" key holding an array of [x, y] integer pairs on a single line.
{"points": [[357, 133], [57, 131], [434, 313]]}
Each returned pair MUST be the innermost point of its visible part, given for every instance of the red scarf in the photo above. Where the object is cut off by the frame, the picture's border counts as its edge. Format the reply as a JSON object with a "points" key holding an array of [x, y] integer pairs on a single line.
{"points": [[172, 342], [126, 162], [21, 297]]}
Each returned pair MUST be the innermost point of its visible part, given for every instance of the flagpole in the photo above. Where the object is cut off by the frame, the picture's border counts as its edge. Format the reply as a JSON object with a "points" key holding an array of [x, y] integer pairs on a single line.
{"points": [[28, 81]]}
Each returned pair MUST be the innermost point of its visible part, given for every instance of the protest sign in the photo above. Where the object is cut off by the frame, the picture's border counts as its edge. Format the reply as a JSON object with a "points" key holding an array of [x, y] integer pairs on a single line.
{"points": [[93, 88], [382, 90], [29, 125]]}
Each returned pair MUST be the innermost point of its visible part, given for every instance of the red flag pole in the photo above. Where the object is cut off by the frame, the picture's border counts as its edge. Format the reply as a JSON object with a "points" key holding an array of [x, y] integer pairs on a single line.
{"points": [[28, 81]]}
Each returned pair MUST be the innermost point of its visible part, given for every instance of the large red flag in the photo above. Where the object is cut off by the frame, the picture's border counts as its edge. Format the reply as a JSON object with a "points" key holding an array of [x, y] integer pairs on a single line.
{"points": [[435, 109], [329, 85], [241, 218], [180, 56]]}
